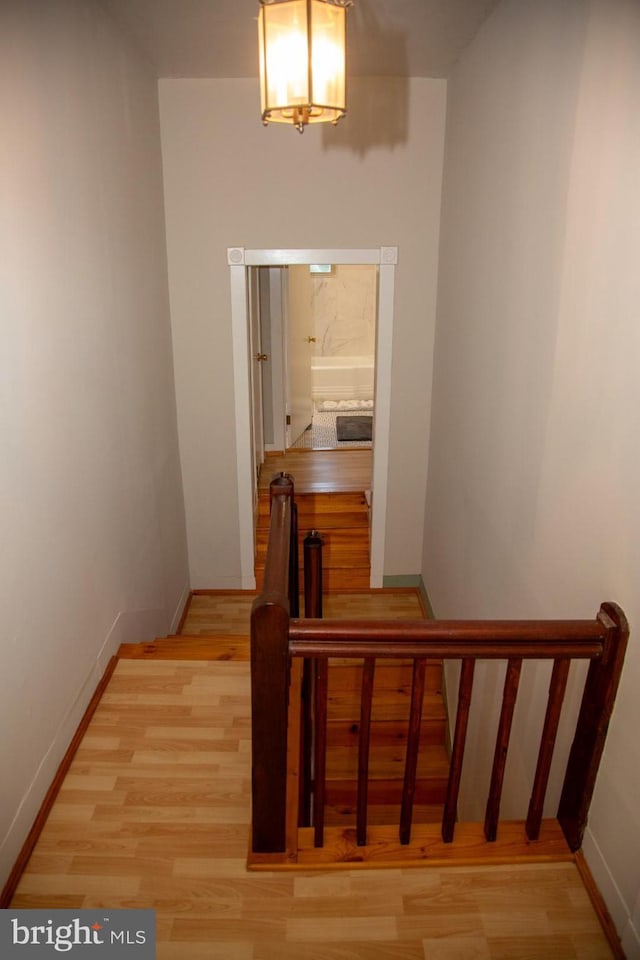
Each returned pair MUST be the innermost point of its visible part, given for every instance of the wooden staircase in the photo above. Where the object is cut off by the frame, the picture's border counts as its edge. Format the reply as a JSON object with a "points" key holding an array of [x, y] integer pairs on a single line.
{"points": [[343, 521], [389, 727]]}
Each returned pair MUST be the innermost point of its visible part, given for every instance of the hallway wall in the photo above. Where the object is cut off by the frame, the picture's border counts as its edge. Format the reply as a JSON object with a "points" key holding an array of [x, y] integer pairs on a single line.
{"points": [[231, 182], [534, 471], [93, 541]]}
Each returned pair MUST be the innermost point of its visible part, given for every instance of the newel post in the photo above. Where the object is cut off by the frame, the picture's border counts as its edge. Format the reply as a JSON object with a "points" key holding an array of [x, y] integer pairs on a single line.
{"points": [[270, 669], [598, 698]]}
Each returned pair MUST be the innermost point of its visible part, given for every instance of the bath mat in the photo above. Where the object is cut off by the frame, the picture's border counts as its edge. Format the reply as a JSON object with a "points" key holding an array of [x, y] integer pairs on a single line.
{"points": [[354, 428]]}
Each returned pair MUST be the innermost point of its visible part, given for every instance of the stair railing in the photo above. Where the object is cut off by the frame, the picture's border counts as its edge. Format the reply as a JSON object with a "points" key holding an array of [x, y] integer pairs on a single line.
{"points": [[281, 644], [271, 671]]}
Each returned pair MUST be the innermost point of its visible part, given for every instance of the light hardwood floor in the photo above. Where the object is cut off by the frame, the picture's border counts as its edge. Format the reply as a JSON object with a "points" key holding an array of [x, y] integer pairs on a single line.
{"points": [[228, 612], [154, 812]]}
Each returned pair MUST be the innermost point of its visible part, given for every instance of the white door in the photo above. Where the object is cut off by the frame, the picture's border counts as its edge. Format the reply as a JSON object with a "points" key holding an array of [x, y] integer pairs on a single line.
{"points": [[300, 348]]}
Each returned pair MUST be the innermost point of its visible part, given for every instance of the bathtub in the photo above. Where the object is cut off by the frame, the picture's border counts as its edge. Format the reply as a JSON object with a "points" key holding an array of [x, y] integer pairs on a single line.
{"points": [[342, 378]]}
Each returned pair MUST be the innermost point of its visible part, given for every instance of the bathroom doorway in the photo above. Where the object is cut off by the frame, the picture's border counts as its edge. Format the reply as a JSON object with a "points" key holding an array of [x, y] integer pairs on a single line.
{"points": [[317, 347], [240, 262], [330, 329]]}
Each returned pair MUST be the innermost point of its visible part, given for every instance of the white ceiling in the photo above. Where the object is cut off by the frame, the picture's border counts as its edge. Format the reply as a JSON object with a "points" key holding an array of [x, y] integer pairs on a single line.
{"points": [[218, 38]]}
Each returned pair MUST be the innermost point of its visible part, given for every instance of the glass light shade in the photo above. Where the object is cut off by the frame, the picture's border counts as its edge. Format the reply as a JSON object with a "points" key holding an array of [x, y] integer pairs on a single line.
{"points": [[302, 61]]}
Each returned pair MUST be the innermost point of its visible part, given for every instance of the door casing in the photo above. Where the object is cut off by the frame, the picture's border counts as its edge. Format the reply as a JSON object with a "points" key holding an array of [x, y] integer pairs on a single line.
{"points": [[239, 260]]}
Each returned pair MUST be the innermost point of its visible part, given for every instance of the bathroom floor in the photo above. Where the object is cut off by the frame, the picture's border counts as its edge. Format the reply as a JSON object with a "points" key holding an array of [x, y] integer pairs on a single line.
{"points": [[321, 435]]}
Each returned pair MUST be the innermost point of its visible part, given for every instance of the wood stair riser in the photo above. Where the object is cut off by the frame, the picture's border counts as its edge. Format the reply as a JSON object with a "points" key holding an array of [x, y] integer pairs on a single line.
{"points": [[333, 580], [343, 522]]}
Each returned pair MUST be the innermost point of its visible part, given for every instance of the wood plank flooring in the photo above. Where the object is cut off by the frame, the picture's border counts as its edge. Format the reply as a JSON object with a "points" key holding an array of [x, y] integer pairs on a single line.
{"points": [[321, 471], [155, 811], [214, 612], [331, 493]]}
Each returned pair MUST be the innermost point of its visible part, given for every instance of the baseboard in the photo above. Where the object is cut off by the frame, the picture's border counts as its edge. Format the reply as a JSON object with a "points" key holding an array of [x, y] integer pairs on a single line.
{"points": [[129, 626], [631, 938], [616, 907], [227, 583], [181, 611], [43, 774], [600, 907], [411, 580]]}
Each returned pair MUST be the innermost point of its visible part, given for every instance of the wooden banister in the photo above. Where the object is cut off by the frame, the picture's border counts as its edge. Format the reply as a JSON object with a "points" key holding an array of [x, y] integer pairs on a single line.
{"points": [[593, 721], [453, 639], [270, 669], [279, 636], [601, 641]]}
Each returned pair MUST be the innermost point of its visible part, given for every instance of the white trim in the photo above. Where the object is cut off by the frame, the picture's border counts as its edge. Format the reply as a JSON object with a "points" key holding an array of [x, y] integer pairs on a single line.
{"points": [[242, 391], [382, 420], [239, 259], [180, 608], [611, 893], [277, 358], [278, 258]]}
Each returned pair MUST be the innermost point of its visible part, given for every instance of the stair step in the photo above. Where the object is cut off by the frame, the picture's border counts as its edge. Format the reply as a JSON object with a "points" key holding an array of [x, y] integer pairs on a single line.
{"points": [[321, 522], [346, 733], [320, 503], [381, 814], [340, 547], [231, 647], [342, 794], [333, 579], [386, 764], [390, 675]]}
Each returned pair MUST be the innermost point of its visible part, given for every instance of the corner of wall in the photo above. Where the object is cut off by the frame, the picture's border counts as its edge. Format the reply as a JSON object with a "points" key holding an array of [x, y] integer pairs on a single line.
{"points": [[612, 896]]}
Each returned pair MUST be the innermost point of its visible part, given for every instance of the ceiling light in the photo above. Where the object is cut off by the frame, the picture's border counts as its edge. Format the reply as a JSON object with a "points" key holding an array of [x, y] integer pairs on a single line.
{"points": [[302, 61]]}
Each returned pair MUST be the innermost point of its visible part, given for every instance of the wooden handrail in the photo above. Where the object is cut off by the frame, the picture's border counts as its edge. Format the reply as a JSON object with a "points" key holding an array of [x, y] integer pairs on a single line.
{"points": [[450, 639], [278, 636], [488, 639]]}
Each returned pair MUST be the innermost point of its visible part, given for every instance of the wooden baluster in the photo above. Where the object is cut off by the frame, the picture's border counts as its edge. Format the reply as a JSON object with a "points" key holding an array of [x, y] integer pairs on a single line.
{"points": [[313, 574], [294, 583], [413, 745], [306, 741], [457, 754], [363, 750], [312, 554], [557, 687], [320, 750], [598, 698], [511, 682]]}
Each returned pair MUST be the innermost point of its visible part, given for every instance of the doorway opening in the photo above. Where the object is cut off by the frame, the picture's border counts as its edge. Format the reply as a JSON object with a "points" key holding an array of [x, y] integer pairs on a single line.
{"points": [[316, 343], [250, 440]]}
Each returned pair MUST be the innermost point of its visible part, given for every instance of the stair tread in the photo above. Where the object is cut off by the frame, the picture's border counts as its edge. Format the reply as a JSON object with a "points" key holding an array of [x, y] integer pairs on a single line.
{"points": [[183, 647]]}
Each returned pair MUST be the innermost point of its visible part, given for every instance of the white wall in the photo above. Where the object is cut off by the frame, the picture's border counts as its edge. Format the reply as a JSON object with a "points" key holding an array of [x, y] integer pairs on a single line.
{"points": [[532, 499], [231, 182], [93, 543]]}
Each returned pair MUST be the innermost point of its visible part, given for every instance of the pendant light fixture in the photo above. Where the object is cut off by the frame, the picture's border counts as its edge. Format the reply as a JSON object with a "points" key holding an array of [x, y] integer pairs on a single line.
{"points": [[302, 61]]}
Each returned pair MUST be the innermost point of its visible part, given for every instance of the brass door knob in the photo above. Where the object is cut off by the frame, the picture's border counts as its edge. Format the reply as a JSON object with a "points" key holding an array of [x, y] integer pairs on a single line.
{"points": [[262, 356], [311, 339]]}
